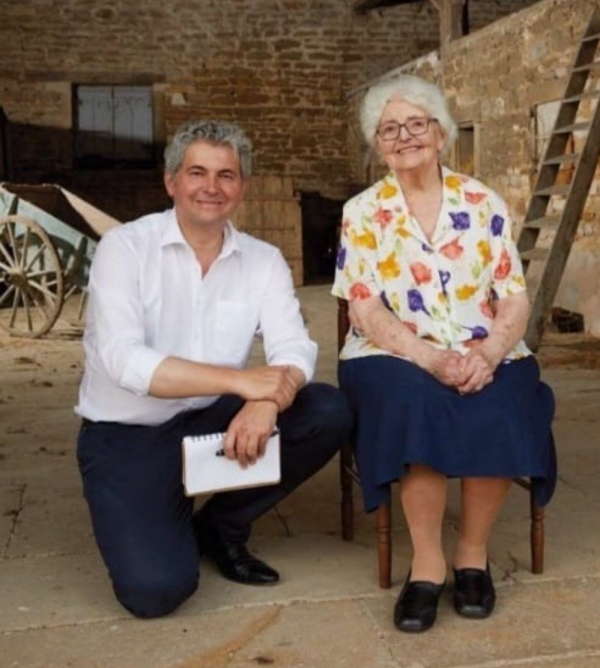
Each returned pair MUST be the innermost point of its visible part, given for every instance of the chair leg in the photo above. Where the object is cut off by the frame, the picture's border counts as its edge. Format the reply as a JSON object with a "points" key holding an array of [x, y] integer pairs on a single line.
{"points": [[537, 536], [384, 544], [346, 484]]}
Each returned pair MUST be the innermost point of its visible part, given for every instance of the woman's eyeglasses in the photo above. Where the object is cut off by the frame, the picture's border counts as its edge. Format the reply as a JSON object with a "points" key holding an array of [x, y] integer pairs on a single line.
{"points": [[416, 126]]}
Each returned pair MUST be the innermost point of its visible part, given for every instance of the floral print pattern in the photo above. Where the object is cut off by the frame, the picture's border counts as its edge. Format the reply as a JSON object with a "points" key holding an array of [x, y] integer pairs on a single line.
{"points": [[443, 289]]}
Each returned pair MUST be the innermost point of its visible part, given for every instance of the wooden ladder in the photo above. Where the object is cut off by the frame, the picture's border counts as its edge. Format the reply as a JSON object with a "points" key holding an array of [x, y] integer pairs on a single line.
{"points": [[546, 237]]}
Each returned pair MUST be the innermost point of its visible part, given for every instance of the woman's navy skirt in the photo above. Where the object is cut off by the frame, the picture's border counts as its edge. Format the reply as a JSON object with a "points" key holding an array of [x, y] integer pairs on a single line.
{"points": [[404, 416]]}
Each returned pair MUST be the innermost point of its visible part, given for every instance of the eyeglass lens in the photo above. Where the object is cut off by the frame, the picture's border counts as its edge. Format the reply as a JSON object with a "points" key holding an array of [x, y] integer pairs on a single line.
{"points": [[414, 126]]}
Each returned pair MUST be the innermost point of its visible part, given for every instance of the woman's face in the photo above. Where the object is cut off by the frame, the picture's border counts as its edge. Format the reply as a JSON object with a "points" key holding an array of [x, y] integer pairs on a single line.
{"points": [[401, 150]]}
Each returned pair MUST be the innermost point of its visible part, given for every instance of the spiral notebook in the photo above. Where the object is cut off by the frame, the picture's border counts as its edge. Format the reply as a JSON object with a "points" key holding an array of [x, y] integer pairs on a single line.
{"points": [[206, 469]]}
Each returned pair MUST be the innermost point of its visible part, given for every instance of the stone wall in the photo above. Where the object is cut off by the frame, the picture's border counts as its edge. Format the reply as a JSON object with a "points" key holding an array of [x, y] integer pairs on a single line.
{"points": [[495, 80], [279, 67]]}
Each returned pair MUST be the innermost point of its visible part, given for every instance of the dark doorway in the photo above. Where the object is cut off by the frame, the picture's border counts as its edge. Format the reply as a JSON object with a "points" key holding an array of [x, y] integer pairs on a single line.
{"points": [[5, 166], [321, 219]]}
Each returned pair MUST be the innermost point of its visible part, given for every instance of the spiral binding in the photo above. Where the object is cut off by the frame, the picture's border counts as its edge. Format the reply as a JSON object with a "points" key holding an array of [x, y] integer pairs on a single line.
{"points": [[207, 437], [217, 436]]}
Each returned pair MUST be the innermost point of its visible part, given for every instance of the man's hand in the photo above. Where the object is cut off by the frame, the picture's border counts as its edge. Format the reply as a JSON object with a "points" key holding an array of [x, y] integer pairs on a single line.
{"points": [[277, 384], [249, 431]]}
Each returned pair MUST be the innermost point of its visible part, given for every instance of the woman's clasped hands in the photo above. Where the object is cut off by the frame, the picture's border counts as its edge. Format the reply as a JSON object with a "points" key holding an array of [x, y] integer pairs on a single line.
{"points": [[468, 373]]}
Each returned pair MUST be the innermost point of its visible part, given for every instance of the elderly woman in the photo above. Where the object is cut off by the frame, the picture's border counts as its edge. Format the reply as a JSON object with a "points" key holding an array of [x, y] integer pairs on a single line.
{"points": [[434, 364]]}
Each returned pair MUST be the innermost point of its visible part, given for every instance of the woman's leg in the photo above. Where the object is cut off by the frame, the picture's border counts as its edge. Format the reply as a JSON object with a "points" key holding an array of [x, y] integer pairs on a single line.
{"points": [[482, 498], [423, 498], [481, 501]]}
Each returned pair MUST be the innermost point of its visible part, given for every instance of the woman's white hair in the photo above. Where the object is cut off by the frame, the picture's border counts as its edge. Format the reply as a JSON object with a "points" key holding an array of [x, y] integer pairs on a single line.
{"points": [[413, 89]]}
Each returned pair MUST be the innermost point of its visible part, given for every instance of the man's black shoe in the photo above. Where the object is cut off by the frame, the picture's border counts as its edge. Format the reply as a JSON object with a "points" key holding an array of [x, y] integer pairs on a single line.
{"points": [[233, 559]]}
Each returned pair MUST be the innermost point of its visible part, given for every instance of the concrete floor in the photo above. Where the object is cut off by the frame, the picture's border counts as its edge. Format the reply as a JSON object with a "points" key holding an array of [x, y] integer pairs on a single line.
{"points": [[57, 609]]}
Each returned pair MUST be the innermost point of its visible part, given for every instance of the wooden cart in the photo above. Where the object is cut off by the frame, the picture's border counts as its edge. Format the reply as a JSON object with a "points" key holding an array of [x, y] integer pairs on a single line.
{"points": [[47, 239]]}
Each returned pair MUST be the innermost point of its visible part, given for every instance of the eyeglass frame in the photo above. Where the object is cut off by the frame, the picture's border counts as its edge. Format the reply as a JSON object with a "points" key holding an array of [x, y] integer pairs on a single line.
{"points": [[399, 126]]}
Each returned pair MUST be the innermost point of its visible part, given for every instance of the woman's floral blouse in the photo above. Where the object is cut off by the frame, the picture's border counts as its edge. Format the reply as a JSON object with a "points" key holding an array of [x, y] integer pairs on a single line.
{"points": [[444, 290]]}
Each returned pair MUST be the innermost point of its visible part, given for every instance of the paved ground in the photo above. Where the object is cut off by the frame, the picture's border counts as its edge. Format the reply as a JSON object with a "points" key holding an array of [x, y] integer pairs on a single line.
{"points": [[56, 606]]}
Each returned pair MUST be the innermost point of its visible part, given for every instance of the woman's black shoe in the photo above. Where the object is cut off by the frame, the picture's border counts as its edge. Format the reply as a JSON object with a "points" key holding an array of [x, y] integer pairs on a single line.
{"points": [[416, 607], [474, 594]]}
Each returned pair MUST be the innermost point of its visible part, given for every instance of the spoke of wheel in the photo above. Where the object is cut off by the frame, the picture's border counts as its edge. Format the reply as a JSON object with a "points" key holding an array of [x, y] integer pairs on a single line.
{"points": [[27, 309], [9, 256], [35, 257], [6, 295], [71, 290], [40, 273], [5, 267], [13, 242], [25, 246], [29, 299], [11, 236], [15, 308], [51, 296], [49, 280]]}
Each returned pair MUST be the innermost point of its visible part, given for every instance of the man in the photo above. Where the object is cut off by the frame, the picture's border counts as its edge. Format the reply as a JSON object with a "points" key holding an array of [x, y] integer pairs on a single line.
{"points": [[175, 300]]}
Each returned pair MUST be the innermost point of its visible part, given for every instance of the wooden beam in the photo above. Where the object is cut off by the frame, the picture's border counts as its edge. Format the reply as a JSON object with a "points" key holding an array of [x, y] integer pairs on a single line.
{"points": [[364, 6], [451, 19]]}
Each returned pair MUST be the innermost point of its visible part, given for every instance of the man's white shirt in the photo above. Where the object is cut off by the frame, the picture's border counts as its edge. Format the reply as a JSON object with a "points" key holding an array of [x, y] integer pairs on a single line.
{"points": [[148, 300]]}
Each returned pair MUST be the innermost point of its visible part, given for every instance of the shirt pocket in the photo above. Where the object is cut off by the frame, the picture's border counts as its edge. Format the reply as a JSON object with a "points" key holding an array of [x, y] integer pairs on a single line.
{"points": [[235, 325]]}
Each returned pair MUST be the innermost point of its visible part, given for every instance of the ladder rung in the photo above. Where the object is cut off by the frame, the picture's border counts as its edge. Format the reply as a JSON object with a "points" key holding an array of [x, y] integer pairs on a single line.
{"points": [[544, 223], [535, 254], [574, 127], [559, 159], [588, 95], [588, 67], [591, 38], [552, 190]]}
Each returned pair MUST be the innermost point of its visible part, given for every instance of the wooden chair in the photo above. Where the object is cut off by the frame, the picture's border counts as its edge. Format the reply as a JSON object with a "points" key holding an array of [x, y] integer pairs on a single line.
{"points": [[349, 476]]}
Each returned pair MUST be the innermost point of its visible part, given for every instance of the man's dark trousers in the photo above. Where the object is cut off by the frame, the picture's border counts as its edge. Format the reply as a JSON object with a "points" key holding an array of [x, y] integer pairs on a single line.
{"points": [[142, 520]]}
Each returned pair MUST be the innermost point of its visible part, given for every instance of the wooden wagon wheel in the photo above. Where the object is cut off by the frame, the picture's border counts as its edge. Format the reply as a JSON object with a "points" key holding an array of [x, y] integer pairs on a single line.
{"points": [[31, 278]]}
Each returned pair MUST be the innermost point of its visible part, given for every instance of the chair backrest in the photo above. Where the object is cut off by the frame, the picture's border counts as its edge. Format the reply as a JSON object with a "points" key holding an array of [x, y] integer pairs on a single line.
{"points": [[343, 322]]}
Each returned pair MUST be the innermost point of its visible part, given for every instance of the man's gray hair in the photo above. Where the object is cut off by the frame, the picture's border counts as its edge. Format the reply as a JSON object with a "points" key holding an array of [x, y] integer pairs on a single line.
{"points": [[413, 89], [213, 132]]}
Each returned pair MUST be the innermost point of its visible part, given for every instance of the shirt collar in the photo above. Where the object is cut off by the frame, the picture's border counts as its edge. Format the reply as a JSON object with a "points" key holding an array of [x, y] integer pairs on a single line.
{"points": [[172, 235], [451, 201], [231, 241]]}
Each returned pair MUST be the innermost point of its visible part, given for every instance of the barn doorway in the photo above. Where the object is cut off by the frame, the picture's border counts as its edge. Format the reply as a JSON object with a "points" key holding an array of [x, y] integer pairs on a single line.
{"points": [[321, 220]]}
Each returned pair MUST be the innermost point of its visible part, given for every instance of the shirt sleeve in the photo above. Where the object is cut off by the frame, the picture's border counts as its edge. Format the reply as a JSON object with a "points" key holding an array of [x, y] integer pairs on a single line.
{"points": [[507, 272], [115, 315], [356, 257], [286, 339]]}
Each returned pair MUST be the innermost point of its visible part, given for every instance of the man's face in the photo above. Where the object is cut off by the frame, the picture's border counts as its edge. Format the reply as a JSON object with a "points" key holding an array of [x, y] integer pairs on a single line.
{"points": [[208, 187]]}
